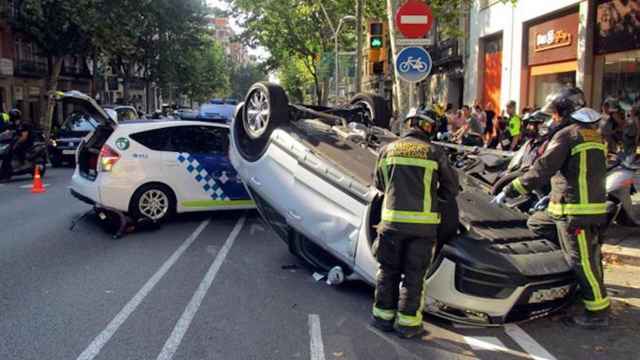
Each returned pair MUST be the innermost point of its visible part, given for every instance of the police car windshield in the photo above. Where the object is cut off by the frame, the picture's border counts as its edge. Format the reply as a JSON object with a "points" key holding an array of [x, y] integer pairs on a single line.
{"points": [[80, 122]]}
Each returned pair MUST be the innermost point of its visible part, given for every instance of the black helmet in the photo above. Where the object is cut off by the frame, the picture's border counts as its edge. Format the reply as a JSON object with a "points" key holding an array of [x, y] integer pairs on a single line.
{"points": [[417, 118], [536, 117], [15, 114], [564, 102]]}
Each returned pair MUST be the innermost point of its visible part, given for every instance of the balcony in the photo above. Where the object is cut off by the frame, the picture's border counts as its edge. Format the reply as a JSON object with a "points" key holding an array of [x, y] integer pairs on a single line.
{"points": [[75, 71], [31, 68]]}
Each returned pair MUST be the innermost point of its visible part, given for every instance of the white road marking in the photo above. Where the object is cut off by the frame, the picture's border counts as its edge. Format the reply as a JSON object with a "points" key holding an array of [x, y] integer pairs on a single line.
{"points": [[173, 342], [98, 343], [485, 343], [316, 347], [535, 350], [414, 19], [30, 186]]}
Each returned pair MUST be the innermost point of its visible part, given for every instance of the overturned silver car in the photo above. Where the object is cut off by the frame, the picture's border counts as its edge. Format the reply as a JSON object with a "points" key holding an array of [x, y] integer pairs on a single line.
{"points": [[310, 171]]}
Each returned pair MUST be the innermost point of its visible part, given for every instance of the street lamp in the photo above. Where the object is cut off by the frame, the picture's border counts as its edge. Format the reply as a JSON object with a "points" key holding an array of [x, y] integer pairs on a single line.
{"points": [[335, 35]]}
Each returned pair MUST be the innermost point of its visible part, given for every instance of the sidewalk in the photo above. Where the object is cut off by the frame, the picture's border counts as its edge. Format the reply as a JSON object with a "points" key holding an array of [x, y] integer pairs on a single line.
{"points": [[622, 244]]}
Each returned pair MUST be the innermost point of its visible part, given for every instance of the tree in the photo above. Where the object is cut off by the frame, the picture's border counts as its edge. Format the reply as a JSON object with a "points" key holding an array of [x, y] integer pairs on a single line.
{"points": [[59, 28], [245, 75], [203, 73]]}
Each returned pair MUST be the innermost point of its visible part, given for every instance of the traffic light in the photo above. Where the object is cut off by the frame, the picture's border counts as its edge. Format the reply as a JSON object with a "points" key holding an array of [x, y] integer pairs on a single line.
{"points": [[376, 35], [377, 54]]}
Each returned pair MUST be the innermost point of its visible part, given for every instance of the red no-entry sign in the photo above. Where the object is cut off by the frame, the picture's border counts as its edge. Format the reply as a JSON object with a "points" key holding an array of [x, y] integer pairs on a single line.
{"points": [[414, 19]]}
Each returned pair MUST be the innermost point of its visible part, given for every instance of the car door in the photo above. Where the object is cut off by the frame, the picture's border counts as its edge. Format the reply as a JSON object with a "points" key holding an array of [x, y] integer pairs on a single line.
{"points": [[211, 182]]}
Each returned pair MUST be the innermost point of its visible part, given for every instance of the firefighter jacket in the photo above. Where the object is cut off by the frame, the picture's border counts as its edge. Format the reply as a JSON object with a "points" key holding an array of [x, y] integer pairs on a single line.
{"points": [[575, 160], [414, 176]]}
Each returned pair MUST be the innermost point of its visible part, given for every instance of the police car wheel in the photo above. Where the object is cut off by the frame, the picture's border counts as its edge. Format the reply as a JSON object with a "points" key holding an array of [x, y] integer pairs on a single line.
{"points": [[375, 109], [155, 202]]}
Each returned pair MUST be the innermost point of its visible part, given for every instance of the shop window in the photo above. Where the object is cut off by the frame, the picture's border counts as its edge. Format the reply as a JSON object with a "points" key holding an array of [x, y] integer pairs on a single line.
{"points": [[621, 77], [543, 85]]}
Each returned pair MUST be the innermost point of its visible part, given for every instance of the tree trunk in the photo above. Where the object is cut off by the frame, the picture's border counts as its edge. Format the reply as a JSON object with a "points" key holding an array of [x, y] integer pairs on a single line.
{"points": [[325, 92], [52, 87], [318, 88]]}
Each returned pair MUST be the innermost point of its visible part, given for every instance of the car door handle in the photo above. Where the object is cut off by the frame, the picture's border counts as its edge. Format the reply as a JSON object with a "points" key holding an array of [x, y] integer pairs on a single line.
{"points": [[294, 215], [255, 181]]}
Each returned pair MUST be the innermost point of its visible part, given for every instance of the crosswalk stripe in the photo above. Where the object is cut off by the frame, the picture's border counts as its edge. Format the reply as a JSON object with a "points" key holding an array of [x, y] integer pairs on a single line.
{"points": [[526, 342]]}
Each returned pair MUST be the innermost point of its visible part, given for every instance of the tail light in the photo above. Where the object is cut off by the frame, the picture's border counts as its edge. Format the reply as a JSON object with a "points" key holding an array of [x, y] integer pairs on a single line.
{"points": [[108, 158]]}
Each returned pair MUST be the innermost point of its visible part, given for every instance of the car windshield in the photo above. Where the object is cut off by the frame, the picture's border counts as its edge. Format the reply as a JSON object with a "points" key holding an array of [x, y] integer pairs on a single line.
{"points": [[80, 122]]}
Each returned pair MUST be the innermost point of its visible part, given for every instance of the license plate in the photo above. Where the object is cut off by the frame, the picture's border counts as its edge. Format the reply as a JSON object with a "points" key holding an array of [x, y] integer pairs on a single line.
{"points": [[544, 295], [68, 152]]}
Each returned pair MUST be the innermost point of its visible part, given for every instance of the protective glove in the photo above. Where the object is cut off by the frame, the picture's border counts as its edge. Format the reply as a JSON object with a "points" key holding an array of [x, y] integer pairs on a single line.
{"points": [[499, 199]]}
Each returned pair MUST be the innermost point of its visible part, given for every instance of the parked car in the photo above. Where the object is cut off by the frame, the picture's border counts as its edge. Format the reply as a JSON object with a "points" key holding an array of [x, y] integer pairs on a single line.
{"points": [[65, 140], [217, 112], [154, 169], [187, 114], [310, 171], [123, 112]]}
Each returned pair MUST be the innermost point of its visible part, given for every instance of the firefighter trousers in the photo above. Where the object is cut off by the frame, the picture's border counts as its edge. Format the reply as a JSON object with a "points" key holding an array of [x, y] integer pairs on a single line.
{"points": [[581, 245], [401, 254]]}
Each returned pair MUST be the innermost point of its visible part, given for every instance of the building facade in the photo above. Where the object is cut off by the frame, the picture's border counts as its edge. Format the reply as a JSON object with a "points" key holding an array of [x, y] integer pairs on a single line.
{"points": [[527, 51]]}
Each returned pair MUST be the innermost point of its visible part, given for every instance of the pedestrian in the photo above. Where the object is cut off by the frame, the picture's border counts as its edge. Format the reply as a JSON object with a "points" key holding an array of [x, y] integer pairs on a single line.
{"points": [[489, 127], [479, 113], [511, 136], [413, 174], [619, 132], [471, 132], [575, 161]]}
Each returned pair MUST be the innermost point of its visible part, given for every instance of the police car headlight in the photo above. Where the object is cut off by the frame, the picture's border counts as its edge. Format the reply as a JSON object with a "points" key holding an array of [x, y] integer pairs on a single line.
{"points": [[53, 143]]}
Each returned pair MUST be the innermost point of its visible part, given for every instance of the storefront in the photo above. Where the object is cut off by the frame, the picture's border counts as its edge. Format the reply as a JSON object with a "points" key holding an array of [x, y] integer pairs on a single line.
{"points": [[551, 56], [492, 71], [617, 52]]}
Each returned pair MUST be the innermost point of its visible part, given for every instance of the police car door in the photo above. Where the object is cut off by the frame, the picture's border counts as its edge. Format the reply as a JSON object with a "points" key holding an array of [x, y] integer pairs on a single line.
{"points": [[210, 182]]}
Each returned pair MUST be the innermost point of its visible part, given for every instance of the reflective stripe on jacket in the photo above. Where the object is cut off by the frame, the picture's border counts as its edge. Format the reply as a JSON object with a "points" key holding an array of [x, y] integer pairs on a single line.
{"points": [[413, 174], [575, 160]]}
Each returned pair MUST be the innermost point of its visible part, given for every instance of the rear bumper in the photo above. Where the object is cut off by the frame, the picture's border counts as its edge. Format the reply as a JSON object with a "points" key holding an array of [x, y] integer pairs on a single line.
{"points": [[82, 198]]}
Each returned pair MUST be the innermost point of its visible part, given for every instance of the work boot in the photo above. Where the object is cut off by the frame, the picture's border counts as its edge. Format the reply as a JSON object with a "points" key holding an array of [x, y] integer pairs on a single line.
{"points": [[382, 325], [409, 332], [591, 320]]}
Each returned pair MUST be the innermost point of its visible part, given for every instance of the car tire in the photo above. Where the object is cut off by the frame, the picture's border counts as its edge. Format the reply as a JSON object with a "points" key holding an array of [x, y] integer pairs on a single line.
{"points": [[265, 108], [155, 202], [378, 112]]}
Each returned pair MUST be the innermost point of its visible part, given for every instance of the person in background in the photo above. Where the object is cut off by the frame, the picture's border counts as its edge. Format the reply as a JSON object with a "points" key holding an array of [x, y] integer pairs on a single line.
{"points": [[471, 132], [512, 134], [489, 126], [620, 133], [479, 113], [456, 121]]}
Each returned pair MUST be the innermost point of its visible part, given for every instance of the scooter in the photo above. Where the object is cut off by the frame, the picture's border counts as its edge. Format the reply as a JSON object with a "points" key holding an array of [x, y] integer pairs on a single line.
{"points": [[36, 156]]}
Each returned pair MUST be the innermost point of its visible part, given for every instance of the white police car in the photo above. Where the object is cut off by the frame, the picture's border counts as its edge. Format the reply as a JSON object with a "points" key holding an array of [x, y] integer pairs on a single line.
{"points": [[153, 169]]}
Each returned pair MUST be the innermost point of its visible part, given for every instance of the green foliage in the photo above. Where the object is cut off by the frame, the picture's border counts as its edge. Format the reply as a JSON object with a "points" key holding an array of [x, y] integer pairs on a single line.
{"points": [[295, 80], [58, 27], [201, 73], [243, 76]]}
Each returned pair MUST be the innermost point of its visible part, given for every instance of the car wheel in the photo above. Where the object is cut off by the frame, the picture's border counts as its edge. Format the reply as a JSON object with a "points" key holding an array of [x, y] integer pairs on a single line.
{"points": [[266, 107], [155, 202], [377, 112]]}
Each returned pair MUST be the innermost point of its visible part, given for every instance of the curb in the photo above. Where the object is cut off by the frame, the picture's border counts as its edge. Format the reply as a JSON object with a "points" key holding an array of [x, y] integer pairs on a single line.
{"points": [[620, 255]]}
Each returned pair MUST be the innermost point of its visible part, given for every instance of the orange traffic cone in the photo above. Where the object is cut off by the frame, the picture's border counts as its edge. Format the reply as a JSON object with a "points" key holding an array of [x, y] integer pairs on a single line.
{"points": [[37, 188]]}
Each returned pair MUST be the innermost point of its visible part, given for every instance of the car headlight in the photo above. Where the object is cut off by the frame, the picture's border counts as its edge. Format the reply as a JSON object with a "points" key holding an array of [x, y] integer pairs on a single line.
{"points": [[53, 143]]}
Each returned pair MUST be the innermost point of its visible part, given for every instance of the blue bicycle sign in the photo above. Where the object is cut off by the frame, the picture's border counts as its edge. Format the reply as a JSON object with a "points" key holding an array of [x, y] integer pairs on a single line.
{"points": [[413, 64]]}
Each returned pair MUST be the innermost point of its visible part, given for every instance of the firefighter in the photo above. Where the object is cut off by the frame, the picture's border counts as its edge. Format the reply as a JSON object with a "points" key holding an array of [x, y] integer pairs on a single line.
{"points": [[575, 161], [415, 177]]}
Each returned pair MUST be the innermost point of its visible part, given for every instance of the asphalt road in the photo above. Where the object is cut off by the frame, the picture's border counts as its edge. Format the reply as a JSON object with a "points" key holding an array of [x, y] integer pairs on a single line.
{"points": [[213, 286]]}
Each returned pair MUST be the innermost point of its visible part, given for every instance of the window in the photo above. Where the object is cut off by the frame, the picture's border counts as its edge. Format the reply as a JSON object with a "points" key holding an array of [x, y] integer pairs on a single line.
{"points": [[620, 74], [80, 122], [126, 114], [200, 140], [157, 140]]}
